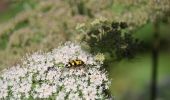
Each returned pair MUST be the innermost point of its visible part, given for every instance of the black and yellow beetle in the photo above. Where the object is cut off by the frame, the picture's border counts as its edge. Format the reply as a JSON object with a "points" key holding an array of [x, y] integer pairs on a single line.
{"points": [[75, 63]]}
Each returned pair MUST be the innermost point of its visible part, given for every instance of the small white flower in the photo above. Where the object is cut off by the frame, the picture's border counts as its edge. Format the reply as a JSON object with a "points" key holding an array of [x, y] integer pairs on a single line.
{"points": [[61, 95]]}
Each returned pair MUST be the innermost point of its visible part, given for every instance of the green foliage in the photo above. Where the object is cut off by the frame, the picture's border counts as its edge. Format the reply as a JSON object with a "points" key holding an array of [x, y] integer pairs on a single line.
{"points": [[81, 8], [37, 38], [15, 7], [4, 41], [118, 8], [4, 38], [113, 38]]}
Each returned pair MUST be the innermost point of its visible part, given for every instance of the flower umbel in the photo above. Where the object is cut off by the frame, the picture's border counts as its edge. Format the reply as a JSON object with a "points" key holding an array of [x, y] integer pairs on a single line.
{"points": [[44, 76]]}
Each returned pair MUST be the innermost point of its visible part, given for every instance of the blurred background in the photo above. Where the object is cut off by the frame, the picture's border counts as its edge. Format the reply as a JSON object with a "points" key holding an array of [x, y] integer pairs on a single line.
{"points": [[27, 26]]}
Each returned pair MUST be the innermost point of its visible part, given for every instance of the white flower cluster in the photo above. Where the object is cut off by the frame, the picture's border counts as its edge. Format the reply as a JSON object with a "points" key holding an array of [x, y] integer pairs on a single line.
{"points": [[44, 76]]}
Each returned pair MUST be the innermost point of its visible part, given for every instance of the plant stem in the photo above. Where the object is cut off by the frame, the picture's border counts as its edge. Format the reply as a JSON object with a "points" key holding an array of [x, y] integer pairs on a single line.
{"points": [[155, 56]]}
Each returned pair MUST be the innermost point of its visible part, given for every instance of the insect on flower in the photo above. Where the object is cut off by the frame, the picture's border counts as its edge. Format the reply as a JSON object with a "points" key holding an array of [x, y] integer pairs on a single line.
{"points": [[75, 63]]}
